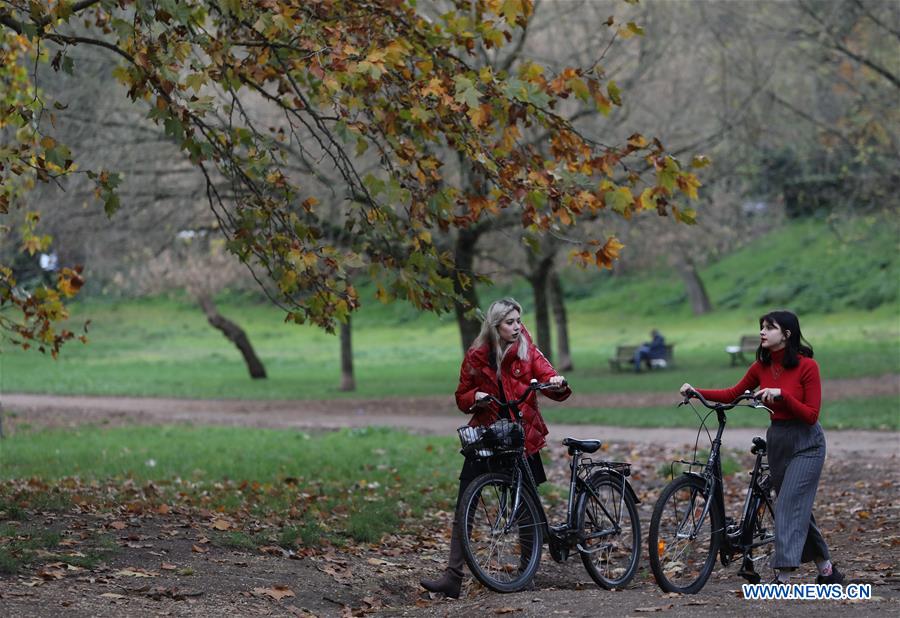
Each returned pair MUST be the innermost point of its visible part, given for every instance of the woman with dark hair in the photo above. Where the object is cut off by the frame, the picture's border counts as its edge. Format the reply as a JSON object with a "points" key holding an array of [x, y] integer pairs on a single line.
{"points": [[789, 384], [501, 362]]}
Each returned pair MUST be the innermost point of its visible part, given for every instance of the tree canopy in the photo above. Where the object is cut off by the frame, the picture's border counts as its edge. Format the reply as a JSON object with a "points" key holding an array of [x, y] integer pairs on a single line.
{"points": [[264, 96]]}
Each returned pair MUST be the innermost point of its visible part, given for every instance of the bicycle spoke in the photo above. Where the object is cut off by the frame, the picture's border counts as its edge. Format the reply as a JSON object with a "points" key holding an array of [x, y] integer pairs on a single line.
{"points": [[609, 534], [682, 549]]}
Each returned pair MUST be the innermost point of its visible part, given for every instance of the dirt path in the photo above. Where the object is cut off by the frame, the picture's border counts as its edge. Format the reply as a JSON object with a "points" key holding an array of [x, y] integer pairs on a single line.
{"points": [[427, 415], [171, 564]]}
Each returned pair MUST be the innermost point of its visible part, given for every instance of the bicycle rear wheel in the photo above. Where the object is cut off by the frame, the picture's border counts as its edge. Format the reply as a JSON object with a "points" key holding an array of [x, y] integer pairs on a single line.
{"points": [[502, 544], [683, 542], [609, 532]]}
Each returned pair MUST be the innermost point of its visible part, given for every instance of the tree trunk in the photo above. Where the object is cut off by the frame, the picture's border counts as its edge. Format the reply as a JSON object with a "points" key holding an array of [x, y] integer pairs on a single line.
{"points": [[464, 262], [540, 273], [235, 334], [348, 383], [564, 362], [696, 291]]}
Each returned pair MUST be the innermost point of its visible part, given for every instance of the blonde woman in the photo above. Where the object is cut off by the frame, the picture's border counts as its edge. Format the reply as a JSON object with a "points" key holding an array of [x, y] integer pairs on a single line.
{"points": [[501, 362]]}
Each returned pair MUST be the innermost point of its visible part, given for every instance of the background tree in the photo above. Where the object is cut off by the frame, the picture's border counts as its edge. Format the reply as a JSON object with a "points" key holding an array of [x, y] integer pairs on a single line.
{"points": [[201, 267], [353, 76]]}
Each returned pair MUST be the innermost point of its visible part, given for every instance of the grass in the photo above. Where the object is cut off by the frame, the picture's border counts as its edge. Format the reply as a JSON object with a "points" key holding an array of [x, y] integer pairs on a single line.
{"points": [[880, 413], [24, 544], [336, 486], [847, 294], [164, 348]]}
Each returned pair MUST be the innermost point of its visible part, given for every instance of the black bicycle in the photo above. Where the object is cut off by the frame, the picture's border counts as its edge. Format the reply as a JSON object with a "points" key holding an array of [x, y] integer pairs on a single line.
{"points": [[504, 524], [689, 527]]}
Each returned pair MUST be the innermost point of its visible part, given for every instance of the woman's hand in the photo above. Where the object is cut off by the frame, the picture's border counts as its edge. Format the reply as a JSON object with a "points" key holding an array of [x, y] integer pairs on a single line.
{"points": [[558, 382], [481, 398], [685, 389], [768, 395]]}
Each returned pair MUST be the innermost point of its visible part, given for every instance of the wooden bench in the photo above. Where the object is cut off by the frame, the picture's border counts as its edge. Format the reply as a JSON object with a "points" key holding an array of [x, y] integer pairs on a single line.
{"points": [[748, 345], [625, 357]]}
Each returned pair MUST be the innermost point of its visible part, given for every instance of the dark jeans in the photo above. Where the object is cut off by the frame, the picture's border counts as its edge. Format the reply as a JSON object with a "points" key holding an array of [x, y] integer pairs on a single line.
{"points": [[642, 355]]}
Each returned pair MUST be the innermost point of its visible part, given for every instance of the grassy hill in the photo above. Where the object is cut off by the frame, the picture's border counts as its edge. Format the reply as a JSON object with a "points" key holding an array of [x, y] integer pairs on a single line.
{"points": [[846, 294]]}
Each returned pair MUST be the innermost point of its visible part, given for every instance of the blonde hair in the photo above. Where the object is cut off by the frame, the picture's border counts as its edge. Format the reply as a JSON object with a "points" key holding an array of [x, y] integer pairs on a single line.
{"points": [[496, 313]]}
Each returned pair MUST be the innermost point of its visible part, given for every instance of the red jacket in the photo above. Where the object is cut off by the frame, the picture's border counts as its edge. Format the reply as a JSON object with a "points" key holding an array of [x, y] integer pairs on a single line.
{"points": [[477, 374]]}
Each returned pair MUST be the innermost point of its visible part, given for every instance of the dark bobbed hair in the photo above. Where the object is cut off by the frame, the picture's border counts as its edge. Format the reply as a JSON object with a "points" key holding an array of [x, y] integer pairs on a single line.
{"points": [[795, 345]]}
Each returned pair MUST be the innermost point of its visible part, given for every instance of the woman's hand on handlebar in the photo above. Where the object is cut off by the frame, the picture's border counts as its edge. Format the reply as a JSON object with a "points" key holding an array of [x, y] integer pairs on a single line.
{"points": [[557, 383], [768, 395], [686, 390], [482, 398]]}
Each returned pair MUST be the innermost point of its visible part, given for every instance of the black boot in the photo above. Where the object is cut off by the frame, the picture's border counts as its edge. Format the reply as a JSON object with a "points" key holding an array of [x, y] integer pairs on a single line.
{"points": [[450, 582], [836, 577]]}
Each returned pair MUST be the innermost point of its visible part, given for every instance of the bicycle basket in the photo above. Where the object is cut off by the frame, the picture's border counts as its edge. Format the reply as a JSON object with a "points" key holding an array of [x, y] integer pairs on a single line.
{"points": [[502, 435], [470, 438], [505, 435]]}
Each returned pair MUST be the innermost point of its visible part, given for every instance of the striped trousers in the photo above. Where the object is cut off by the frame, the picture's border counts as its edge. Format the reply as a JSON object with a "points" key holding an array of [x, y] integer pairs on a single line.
{"points": [[796, 453]]}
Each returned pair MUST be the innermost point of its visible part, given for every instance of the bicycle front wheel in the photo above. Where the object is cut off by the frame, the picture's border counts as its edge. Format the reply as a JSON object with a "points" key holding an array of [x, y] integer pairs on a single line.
{"points": [[609, 532], [501, 541], [683, 541]]}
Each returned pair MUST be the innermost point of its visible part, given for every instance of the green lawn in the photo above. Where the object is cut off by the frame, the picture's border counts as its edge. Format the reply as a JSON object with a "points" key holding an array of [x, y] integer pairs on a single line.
{"points": [[165, 348], [847, 295], [351, 483]]}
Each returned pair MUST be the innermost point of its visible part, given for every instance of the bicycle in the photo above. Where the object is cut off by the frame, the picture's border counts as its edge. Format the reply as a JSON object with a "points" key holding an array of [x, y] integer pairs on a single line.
{"points": [[503, 520], [689, 527]]}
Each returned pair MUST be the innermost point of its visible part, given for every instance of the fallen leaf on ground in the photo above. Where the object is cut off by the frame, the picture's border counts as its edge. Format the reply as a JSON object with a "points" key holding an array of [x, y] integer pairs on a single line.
{"points": [[659, 608], [199, 550], [507, 610], [112, 595], [165, 566], [118, 525], [221, 524], [135, 572], [276, 592]]}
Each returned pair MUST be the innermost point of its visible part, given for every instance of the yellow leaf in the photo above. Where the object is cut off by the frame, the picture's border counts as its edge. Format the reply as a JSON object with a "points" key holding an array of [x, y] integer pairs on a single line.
{"points": [[480, 115], [434, 87], [700, 161]]}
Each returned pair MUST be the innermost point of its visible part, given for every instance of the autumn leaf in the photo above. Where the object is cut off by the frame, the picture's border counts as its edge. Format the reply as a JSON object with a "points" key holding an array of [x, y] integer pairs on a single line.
{"points": [[135, 572], [607, 254], [275, 592]]}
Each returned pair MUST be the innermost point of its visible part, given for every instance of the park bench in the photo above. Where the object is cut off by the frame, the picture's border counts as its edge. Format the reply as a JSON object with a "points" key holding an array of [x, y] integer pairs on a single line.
{"points": [[748, 345], [625, 358]]}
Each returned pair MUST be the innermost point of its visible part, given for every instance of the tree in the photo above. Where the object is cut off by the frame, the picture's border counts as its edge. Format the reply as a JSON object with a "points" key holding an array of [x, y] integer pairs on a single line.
{"points": [[202, 268], [342, 77]]}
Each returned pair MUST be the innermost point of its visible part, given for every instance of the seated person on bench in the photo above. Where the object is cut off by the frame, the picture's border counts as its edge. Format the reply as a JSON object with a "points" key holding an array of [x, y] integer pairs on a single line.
{"points": [[650, 351]]}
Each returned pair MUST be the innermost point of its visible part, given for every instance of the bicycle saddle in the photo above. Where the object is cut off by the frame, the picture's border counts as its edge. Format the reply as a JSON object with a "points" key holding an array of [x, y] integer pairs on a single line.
{"points": [[585, 446], [758, 445]]}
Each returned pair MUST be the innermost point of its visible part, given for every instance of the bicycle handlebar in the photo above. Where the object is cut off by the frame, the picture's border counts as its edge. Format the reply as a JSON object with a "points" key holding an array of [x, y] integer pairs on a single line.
{"points": [[533, 386], [745, 396]]}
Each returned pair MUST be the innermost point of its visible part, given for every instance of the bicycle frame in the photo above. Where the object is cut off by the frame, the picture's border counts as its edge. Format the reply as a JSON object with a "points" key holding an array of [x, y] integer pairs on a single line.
{"points": [[756, 493], [578, 484], [558, 537]]}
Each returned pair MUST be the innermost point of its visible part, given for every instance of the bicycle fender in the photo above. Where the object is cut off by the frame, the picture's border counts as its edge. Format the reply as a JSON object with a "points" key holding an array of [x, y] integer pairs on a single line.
{"points": [[618, 478], [695, 475]]}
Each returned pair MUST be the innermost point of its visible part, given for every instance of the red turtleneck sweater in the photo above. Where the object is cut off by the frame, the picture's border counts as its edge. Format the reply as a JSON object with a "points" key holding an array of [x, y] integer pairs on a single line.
{"points": [[801, 388]]}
